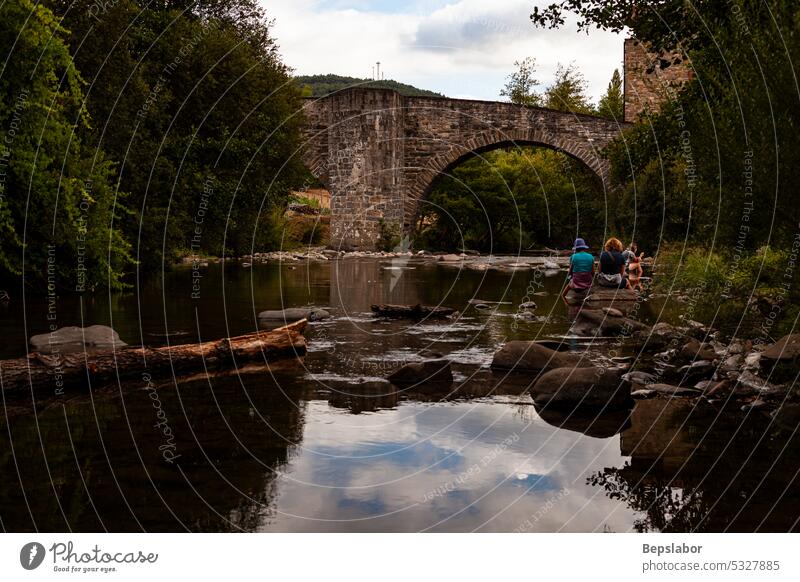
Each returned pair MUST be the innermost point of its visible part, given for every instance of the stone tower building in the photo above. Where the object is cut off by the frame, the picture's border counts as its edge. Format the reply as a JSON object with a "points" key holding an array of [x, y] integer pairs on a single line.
{"points": [[648, 81]]}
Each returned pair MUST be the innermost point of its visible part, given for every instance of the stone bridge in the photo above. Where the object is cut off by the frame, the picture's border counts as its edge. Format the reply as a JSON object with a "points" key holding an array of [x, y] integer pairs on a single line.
{"points": [[379, 153]]}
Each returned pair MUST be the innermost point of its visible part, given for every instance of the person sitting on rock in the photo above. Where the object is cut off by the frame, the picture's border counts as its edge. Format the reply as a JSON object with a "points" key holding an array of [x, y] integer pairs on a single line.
{"points": [[612, 266], [581, 267], [635, 272], [630, 253]]}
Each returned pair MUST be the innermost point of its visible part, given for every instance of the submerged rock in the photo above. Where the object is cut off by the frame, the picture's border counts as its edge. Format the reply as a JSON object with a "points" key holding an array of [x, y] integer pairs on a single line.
{"points": [[427, 372], [582, 387], [412, 311], [533, 356], [294, 314], [77, 339]]}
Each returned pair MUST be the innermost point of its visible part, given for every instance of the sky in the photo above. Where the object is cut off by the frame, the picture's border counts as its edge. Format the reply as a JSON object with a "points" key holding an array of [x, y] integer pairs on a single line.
{"points": [[461, 48]]}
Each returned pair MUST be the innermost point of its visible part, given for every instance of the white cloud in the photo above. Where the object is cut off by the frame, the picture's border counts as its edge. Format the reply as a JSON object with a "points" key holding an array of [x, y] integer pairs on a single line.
{"points": [[465, 47]]}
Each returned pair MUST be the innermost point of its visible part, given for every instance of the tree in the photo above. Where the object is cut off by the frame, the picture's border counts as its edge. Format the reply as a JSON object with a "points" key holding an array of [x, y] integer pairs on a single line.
{"points": [[612, 104], [59, 208], [194, 100], [568, 91], [521, 84], [664, 24]]}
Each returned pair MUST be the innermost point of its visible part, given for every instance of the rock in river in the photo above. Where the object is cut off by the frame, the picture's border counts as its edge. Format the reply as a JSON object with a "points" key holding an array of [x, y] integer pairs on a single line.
{"points": [[412, 311], [582, 387], [532, 356], [696, 350], [592, 321], [76, 339], [427, 372], [294, 313], [782, 359], [670, 390]]}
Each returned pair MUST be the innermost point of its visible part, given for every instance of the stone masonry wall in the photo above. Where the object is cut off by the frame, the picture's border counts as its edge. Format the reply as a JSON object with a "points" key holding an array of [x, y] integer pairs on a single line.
{"points": [[647, 85], [379, 153]]}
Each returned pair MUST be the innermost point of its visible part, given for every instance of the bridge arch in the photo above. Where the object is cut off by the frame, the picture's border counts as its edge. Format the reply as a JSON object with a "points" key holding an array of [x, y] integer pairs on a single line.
{"points": [[448, 159]]}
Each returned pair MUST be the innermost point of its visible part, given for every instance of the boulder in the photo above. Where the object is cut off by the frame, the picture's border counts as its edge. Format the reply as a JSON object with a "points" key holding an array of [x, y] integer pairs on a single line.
{"points": [[532, 356], [694, 349], [591, 321], [427, 372], [77, 339], [639, 377], [450, 258], [294, 314], [696, 371], [591, 387], [622, 299], [557, 345], [752, 361], [575, 297], [781, 360], [732, 363], [660, 336]]}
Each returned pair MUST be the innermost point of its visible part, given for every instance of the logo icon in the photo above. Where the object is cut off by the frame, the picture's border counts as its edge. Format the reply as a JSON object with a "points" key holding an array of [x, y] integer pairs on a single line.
{"points": [[31, 555]]}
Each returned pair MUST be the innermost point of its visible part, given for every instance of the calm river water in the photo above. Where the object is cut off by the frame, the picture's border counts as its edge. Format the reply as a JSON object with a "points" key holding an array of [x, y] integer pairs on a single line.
{"points": [[328, 445]]}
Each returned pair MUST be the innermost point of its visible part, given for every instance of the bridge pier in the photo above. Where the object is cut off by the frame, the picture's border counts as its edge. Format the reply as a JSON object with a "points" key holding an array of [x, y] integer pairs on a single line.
{"points": [[363, 134]]}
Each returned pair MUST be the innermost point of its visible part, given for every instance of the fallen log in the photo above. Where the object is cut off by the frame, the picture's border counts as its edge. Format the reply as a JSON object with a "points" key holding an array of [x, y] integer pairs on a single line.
{"points": [[411, 311], [56, 372]]}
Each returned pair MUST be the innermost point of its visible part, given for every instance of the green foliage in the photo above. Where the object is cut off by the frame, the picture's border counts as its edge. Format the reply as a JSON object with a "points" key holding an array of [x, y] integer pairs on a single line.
{"points": [[193, 100], [388, 236], [321, 85], [507, 201], [714, 165], [299, 199], [612, 103], [663, 23], [568, 91], [755, 290], [59, 206], [521, 85]]}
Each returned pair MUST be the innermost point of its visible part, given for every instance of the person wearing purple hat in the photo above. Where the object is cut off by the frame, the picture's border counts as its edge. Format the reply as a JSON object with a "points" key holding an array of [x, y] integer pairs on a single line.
{"points": [[581, 267]]}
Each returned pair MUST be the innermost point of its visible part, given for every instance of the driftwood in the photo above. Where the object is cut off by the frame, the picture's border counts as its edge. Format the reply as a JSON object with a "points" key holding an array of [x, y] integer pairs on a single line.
{"points": [[412, 311], [56, 372]]}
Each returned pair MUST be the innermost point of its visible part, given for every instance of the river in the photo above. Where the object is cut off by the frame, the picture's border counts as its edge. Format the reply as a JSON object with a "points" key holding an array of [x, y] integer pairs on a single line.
{"points": [[327, 445]]}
